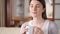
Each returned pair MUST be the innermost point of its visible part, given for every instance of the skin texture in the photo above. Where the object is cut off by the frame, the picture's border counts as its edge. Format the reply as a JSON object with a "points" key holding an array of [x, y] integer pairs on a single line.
{"points": [[37, 31], [36, 6]]}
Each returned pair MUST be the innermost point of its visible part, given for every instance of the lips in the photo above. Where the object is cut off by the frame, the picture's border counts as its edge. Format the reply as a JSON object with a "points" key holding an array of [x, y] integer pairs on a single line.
{"points": [[35, 12]]}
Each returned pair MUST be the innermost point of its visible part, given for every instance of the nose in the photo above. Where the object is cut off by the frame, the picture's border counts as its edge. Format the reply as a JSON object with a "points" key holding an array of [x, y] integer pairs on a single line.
{"points": [[34, 8]]}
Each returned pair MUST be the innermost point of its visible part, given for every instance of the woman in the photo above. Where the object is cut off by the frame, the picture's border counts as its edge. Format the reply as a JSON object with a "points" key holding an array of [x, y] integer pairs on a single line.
{"points": [[39, 22]]}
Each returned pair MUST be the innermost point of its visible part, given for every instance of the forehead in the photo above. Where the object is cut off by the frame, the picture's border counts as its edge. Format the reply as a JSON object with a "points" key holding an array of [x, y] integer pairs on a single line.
{"points": [[34, 2]]}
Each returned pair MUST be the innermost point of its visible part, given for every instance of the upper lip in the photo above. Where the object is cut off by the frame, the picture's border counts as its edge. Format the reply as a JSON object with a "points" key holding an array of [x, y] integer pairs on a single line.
{"points": [[34, 12]]}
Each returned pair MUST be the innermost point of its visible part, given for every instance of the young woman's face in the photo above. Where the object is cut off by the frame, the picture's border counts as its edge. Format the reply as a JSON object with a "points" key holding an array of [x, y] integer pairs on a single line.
{"points": [[36, 8]]}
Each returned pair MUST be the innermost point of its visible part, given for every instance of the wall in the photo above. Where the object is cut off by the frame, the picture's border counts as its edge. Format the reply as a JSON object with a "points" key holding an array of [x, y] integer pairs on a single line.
{"points": [[57, 14], [2, 14]]}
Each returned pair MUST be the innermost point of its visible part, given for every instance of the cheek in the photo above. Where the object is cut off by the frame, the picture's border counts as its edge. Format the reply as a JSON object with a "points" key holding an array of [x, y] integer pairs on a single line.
{"points": [[30, 10], [39, 9]]}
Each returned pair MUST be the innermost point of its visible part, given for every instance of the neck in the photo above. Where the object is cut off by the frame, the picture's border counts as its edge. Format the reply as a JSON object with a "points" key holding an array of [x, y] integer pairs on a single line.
{"points": [[38, 19]]}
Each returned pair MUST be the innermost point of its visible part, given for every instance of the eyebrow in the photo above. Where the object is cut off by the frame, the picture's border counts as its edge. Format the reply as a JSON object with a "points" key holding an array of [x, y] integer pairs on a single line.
{"points": [[32, 4]]}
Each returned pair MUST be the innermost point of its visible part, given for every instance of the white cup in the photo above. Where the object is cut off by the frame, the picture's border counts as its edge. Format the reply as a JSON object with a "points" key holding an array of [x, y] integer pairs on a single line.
{"points": [[30, 29]]}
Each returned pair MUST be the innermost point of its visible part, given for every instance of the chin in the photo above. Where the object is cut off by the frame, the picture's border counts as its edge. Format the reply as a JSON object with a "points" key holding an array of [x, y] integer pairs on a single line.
{"points": [[34, 16]]}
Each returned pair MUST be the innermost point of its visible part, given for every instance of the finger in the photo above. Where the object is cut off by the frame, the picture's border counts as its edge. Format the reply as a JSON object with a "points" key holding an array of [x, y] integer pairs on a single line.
{"points": [[34, 31], [37, 28], [24, 26], [24, 32]]}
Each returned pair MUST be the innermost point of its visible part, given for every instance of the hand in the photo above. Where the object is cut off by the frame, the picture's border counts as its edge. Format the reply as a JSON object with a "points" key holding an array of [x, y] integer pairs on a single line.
{"points": [[24, 30], [37, 31]]}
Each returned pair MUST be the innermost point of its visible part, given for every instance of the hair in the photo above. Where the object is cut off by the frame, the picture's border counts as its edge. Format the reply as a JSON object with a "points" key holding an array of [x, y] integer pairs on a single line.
{"points": [[44, 6]]}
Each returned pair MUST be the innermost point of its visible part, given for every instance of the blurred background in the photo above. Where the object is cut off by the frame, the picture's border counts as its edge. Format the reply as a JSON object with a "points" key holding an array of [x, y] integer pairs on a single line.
{"points": [[13, 13]]}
